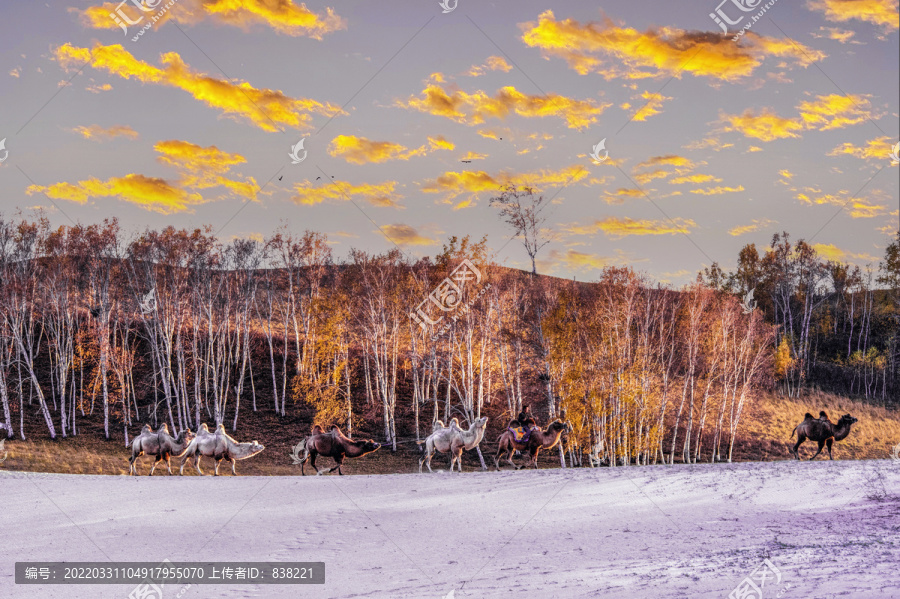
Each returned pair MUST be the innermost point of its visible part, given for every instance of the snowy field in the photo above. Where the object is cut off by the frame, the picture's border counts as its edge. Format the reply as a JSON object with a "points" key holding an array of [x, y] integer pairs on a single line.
{"points": [[831, 529]]}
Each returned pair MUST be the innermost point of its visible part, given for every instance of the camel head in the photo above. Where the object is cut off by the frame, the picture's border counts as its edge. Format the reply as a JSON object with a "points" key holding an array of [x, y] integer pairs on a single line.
{"points": [[368, 446], [185, 436], [847, 420], [481, 422], [242, 451], [558, 427]]}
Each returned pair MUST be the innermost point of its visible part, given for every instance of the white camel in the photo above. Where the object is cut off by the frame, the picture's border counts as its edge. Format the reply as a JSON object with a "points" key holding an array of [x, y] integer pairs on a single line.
{"points": [[453, 440], [218, 445]]}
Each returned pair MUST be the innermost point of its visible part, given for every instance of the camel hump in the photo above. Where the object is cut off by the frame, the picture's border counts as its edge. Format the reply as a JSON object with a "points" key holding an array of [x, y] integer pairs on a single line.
{"points": [[454, 422], [823, 415], [317, 430], [808, 416], [437, 425], [336, 431]]}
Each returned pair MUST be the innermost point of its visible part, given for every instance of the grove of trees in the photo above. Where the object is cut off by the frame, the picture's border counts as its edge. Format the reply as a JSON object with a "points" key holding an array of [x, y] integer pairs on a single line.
{"points": [[180, 327]]}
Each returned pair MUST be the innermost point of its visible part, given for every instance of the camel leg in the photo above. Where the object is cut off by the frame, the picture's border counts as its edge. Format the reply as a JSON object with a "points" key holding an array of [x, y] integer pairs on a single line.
{"points": [[133, 462], [422, 460], [796, 450], [183, 460], [218, 461], [197, 462], [829, 443], [153, 467], [339, 460], [312, 462], [233, 471], [821, 445], [168, 466], [457, 457]]}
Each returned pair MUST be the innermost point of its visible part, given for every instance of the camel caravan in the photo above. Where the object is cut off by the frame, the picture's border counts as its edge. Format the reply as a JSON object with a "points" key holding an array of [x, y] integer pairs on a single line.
{"points": [[522, 435], [218, 445]]}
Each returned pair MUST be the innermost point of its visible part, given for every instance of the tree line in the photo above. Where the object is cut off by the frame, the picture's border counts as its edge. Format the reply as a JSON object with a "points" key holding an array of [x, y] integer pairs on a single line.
{"points": [[181, 327]]}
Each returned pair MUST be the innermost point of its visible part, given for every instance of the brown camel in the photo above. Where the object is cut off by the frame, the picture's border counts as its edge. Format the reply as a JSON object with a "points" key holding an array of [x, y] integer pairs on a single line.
{"points": [[159, 444], [333, 445], [219, 446], [823, 431], [537, 441]]}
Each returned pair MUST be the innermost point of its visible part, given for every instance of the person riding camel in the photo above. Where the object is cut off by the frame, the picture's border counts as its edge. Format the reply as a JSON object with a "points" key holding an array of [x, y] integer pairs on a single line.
{"points": [[524, 421]]}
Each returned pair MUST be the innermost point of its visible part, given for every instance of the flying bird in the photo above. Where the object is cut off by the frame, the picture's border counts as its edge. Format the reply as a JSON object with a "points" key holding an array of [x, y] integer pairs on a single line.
{"points": [[281, 177], [317, 178], [466, 161]]}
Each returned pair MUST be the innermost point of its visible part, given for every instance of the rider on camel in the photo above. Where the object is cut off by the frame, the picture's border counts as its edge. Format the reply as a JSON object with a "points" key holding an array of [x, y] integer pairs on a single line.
{"points": [[525, 420]]}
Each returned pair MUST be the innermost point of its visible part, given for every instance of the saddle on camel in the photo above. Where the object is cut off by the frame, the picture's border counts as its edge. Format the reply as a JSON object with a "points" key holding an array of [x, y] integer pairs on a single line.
{"points": [[522, 426]]}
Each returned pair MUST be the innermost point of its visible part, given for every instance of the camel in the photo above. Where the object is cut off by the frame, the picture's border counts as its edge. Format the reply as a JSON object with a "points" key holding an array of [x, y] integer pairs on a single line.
{"points": [[333, 444], [160, 444], [452, 440], [824, 432], [219, 446], [537, 440]]}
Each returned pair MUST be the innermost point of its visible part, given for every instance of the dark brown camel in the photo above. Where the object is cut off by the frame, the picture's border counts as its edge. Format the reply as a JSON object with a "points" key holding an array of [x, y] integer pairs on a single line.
{"points": [[332, 445], [821, 430], [537, 441], [159, 444]]}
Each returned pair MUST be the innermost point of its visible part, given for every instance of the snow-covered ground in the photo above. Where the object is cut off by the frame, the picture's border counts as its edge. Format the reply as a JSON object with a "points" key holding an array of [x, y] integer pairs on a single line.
{"points": [[831, 529]]}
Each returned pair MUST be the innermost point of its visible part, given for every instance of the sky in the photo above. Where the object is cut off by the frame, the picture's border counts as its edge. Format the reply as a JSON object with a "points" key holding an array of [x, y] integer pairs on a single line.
{"points": [[413, 115]]}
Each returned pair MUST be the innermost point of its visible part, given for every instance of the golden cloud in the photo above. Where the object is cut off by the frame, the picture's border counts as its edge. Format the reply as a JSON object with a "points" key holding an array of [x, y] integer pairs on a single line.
{"points": [[406, 235], [878, 12], [200, 167], [835, 111], [283, 16], [474, 156], [829, 251], [670, 159], [765, 125], [493, 63], [714, 191], [666, 51], [265, 108], [204, 167], [473, 109], [644, 178], [875, 149], [833, 33], [756, 225], [653, 105], [359, 150], [98, 133], [452, 184], [694, 179], [377, 194], [859, 207], [439, 143], [151, 193], [621, 227]]}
